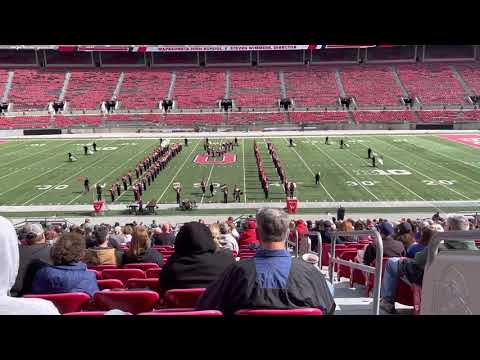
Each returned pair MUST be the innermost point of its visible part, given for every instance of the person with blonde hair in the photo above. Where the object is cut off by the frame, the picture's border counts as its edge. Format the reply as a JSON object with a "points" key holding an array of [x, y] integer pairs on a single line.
{"points": [[140, 251], [215, 230], [127, 231]]}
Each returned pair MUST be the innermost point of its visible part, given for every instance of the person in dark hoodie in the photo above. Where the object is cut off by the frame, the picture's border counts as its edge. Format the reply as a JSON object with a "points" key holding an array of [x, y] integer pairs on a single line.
{"points": [[391, 247], [272, 279], [195, 263]]}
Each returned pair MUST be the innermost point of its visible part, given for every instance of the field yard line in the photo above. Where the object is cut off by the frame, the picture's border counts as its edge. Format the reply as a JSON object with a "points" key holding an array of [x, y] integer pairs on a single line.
{"points": [[309, 169], [341, 167], [26, 167], [123, 164], [244, 182], [466, 177], [68, 178], [399, 183], [422, 174], [178, 171], [20, 147], [37, 153]]}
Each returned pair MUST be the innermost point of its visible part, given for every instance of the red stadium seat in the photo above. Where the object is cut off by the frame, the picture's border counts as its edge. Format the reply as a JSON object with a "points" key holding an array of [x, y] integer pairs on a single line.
{"points": [[98, 274], [344, 271], [65, 303], [184, 313], [153, 273], [150, 283], [86, 313], [141, 266], [182, 298], [128, 300], [280, 312], [123, 274], [102, 267], [109, 284]]}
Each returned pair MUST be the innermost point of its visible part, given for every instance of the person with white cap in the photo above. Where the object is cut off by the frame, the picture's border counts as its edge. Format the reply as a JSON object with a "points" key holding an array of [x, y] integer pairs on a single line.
{"points": [[9, 263]]}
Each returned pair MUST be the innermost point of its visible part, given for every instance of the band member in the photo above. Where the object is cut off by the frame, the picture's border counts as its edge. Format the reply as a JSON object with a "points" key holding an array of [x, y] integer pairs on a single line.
{"points": [[178, 190], [99, 192], [373, 161], [161, 141], [140, 189], [86, 185], [112, 194], [124, 181], [317, 178], [144, 184], [341, 144], [117, 184], [85, 149], [135, 192], [265, 190], [291, 142], [236, 193], [292, 189], [94, 146], [326, 141], [186, 142], [129, 178], [204, 186], [236, 142], [70, 157], [211, 189], [369, 153], [148, 178], [137, 172], [225, 194]]}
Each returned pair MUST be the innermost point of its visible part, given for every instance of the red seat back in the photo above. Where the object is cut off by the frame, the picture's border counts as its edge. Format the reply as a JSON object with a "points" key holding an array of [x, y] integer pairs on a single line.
{"points": [[123, 274], [356, 246], [141, 266], [153, 273], [280, 312], [183, 298], [102, 267], [130, 301], [98, 274], [109, 284], [184, 313], [65, 303], [150, 283], [86, 313]]}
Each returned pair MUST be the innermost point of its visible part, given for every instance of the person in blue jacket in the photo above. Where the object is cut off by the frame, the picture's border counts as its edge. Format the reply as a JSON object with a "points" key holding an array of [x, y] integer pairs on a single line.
{"points": [[68, 273]]}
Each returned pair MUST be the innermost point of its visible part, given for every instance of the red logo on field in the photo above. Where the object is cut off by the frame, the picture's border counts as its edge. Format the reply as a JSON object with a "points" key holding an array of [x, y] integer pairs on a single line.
{"points": [[203, 159], [3, 141], [472, 140]]}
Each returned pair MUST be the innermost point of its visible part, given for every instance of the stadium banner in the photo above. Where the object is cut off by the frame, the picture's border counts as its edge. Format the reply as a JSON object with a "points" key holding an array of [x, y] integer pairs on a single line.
{"points": [[292, 206]]}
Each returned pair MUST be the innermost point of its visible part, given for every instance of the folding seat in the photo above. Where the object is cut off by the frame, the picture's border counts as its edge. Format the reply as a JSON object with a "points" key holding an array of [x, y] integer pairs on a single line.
{"points": [[184, 313], [109, 284], [344, 271], [131, 301], [123, 274], [102, 267], [280, 312], [182, 298], [153, 273], [150, 283], [65, 302], [141, 266]]}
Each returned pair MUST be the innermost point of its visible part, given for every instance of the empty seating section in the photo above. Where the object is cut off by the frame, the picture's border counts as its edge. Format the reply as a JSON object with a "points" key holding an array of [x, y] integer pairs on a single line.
{"points": [[384, 116], [371, 85], [191, 119], [199, 89], [3, 81], [84, 120], [318, 117], [154, 118], [471, 75], [24, 122], [34, 89], [255, 88], [88, 88], [315, 86], [144, 89], [248, 118], [431, 83], [448, 116]]}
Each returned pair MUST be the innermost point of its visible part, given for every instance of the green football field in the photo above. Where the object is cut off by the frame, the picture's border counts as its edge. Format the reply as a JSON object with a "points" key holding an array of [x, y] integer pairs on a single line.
{"points": [[416, 168]]}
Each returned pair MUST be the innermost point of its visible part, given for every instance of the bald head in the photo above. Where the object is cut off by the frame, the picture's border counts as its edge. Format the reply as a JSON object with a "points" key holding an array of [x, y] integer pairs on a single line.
{"points": [[272, 225]]}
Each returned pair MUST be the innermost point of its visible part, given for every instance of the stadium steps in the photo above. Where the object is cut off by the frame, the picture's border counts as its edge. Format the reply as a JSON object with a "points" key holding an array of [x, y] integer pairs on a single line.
{"points": [[338, 79], [227, 84], [399, 82], [461, 80], [172, 84], [68, 75], [8, 86], [119, 86], [283, 89]]}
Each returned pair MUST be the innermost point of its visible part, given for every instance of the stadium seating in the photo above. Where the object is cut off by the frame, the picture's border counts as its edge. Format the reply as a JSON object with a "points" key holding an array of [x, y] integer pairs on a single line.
{"points": [[65, 303], [184, 313], [384, 116], [153, 273], [144, 89], [102, 267], [123, 274], [84, 120], [109, 284], [33, 89], [318, 117], [182, 298], [128, 300], [248, 118], [150, 283], [255, 88], [471, 74], [371, 85], [24, 122], [153, 118], [86, 313], [440, 116], [196, 89], [312, 86], [431, 83], [192, 119], [98, 274], [87, 89], [279, 312], [141, 266]]}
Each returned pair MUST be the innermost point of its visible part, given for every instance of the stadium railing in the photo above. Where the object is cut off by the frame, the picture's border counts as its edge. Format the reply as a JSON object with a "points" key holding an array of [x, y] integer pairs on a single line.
{"points": [[377, 270]]}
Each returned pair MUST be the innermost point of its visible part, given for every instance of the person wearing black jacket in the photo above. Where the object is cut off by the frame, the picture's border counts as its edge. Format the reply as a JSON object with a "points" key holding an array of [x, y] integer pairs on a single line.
{"points": [[270, 280], [195, 262]]}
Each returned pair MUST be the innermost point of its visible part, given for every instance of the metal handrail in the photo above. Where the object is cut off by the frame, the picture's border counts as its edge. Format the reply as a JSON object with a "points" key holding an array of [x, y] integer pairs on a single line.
{"points": [[377, 270], [438, 237]]}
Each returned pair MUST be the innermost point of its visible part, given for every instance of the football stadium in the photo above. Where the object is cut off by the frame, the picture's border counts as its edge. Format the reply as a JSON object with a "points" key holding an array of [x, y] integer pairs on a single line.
{"points": [[161, 179]]}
